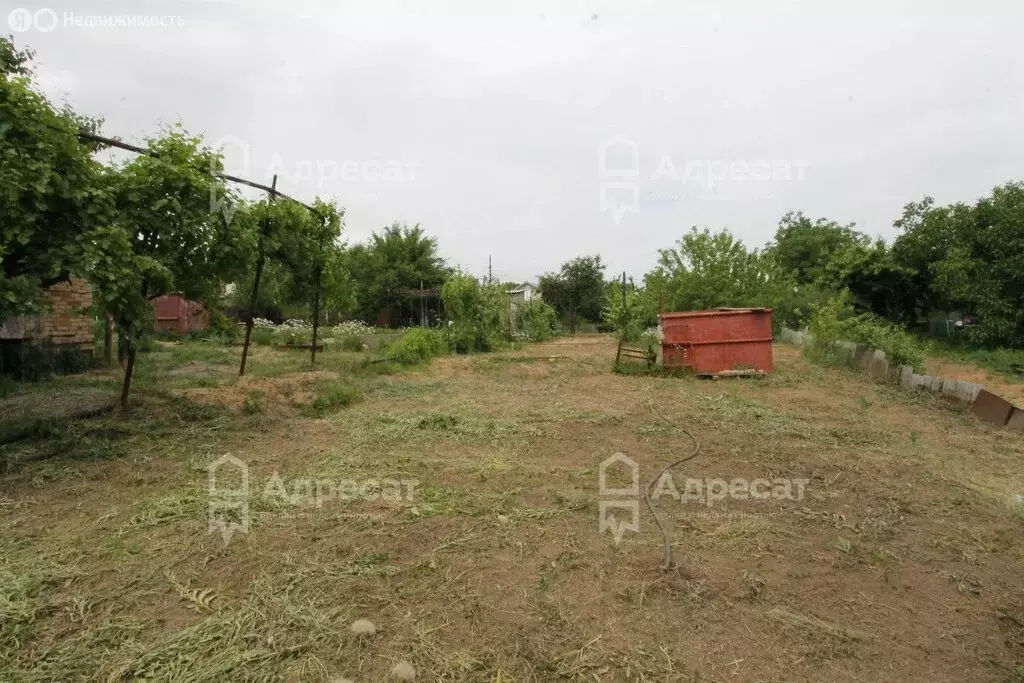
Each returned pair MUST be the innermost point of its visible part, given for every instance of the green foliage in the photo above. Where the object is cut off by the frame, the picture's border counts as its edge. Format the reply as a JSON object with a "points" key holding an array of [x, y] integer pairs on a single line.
{"points": [[838, 320], [351, 343], [393, 264], [416, 346], [624, 313], [478, 313], [534, 320], [809, 248], [707, 270], [576, 292], [224, 327], [333, 397], [53, 195]]}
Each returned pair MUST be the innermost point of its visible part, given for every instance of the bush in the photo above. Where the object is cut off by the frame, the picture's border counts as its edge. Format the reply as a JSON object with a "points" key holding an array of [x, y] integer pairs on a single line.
{"points": [[351, 343], [536, 321], [479, 313], [838, 321], [416, 346], [224, 327]]}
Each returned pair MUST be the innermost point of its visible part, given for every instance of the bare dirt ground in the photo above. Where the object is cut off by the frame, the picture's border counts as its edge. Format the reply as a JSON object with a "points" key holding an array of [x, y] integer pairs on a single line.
{"points": [[901, 562]]}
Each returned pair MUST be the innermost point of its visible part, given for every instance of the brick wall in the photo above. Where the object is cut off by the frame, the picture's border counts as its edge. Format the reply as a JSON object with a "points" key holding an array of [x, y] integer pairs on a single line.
{"points": [[62, 325]]}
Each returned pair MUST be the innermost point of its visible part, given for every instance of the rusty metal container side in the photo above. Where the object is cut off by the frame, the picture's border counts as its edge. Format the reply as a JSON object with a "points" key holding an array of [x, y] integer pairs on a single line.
{"points": [[175, 313], [718, 342]]}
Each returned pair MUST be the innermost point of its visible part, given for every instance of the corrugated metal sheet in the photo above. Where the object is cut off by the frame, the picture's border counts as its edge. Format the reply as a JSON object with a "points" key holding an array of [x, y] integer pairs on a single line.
{"points": [[723, 341]]}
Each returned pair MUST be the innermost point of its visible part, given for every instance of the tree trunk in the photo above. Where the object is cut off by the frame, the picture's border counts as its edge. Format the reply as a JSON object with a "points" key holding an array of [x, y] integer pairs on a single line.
{"points": [[128, 371], [261, 259], [252, 313], [108, 341]]}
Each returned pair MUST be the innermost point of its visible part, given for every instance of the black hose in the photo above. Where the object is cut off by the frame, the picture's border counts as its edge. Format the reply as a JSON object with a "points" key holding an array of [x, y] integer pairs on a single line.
{"points": [[650, 487]]}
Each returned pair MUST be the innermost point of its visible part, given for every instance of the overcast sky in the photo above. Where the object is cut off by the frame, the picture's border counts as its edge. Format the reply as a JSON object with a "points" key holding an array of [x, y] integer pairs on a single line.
{"points": [[486, 122]]}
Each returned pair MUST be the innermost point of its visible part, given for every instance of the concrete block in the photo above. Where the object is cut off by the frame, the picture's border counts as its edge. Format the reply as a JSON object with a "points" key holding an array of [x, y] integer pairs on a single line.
{"points": [[907, 377], [949, 386], [879, 365], [968, 391], [1016, 422], [991, 408]]}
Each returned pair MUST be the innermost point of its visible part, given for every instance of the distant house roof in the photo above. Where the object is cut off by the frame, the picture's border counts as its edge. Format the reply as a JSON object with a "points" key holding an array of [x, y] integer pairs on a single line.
{"points": [[519, 289]]}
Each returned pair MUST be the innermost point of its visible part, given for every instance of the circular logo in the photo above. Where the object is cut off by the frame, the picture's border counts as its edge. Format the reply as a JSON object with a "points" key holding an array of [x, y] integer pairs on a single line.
{"points": [[46, 20], [20, 20]]}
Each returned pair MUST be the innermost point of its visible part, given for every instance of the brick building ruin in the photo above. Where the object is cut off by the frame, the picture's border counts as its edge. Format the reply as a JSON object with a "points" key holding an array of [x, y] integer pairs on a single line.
{"points": [[61, 339]]}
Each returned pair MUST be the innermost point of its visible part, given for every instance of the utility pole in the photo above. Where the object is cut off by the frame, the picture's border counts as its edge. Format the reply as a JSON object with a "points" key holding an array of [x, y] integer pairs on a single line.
{"points": [[490, 275]]}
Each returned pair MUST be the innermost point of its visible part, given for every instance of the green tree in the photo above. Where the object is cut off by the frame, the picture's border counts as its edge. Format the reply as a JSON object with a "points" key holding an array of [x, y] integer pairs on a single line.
{"points": [[391, 265], [982, 270], [807, 248], [577, 290], [53, 194], [475, 312], [164, 237], [706, 270]]}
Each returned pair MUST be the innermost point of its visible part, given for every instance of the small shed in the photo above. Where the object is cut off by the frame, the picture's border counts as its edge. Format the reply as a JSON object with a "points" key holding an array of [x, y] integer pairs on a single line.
{"points": [[175, 313]]}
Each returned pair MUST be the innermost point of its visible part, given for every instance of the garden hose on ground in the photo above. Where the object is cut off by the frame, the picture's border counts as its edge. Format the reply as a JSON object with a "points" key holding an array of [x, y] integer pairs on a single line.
{"points": [[654, 482]]}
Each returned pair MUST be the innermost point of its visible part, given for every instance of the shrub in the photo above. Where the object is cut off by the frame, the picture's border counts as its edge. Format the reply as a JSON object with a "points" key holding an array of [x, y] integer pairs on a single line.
{"points": [[536, 321], [351, 343], [479, 314], [837, 321], [416, 346], [223, 327]]}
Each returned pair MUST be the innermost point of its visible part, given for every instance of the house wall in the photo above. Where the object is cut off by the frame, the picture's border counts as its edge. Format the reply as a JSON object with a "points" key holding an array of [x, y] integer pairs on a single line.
{"points": [[64, 324], [61, 340]]}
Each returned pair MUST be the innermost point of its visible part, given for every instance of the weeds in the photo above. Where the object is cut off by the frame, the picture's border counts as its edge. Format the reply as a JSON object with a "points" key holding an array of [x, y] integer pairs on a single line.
{"points": [[333, 397]]}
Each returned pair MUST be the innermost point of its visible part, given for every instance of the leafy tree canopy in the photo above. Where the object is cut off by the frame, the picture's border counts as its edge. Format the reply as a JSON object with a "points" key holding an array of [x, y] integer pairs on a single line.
{"points": [[577, 290]]}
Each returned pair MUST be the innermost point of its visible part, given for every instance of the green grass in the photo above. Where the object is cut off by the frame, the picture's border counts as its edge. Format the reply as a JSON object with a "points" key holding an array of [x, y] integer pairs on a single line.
{"points": [[333, 396], [1007, 362]]}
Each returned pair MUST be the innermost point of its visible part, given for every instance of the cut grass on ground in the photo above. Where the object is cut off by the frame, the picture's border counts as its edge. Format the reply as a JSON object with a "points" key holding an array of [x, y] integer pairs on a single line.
{"points": [[901, 561]]}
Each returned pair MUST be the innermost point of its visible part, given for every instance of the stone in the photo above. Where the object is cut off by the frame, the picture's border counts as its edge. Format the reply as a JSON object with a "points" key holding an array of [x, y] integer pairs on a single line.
{"points": [[991, 408], [403, 671], [363, 627], [879, 365]]}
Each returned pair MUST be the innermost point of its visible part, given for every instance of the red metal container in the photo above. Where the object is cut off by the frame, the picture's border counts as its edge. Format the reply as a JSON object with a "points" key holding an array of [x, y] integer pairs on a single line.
{"points": [[176, 313], [725, 341]]}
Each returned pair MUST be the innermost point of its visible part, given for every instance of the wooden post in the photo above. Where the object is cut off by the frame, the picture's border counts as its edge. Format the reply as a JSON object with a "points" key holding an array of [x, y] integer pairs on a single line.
{"points": [[260, 260], [624, 321], [316, 313], [317, 286]]}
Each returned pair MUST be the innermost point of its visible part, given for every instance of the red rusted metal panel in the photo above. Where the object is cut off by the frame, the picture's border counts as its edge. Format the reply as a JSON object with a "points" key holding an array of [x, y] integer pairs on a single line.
{"points": [[175, 313], [992, 408], [723, 341]]}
